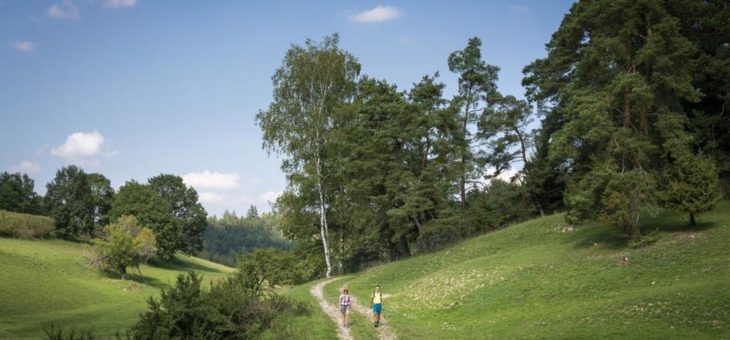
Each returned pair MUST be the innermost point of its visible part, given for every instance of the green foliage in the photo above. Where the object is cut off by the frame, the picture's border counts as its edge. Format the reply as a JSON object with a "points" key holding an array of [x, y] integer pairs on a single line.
{"points": [[231, 309], [313, 81], [17, 194], [500, 204], [269, 267], [57, 333], [693, 187], [126, 244], [626, 197], [614, 197], [625, 85], [477, 87], [69, 198], [102, 196], [152, 211], [186, 210], [79, 202], [24, 225]]}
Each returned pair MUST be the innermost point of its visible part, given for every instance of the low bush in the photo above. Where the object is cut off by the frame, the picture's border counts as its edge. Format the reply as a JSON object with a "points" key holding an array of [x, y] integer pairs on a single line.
{"points": [[24, 225], [232, 309]]}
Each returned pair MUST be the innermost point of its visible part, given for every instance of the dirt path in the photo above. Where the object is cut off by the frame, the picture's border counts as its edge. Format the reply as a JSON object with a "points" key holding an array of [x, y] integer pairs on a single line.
{"points": [[333, 311], [330, 309]]}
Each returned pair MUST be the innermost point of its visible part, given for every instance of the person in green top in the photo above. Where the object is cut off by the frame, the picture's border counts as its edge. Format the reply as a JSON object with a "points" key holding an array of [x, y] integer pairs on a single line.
{"points": [[376, 302]]}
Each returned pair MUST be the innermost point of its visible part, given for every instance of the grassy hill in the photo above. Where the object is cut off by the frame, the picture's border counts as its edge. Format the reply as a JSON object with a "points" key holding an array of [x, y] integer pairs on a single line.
{"points": [[543, 278], [44, 281]]}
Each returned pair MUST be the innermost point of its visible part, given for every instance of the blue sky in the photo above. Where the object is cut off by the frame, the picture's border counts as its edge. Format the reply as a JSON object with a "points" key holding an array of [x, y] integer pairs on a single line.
{"points": [[135, 88]]}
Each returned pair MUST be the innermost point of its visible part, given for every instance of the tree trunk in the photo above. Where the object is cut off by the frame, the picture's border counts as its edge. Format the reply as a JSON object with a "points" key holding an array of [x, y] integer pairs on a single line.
{"points": [[123, 272], [322, 213], [523, 148], [340, 260], [692, 220], [422, 242], [465, 126]]}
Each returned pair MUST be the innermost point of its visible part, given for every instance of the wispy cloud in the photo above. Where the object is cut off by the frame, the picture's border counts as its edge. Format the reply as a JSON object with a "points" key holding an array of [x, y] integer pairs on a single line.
{"points": [[210, 197], [208, 180], [26, 167], [120, 3], [376, 14], [270, 196], [522, 9], [64, 10], [23, 46], [80, 145]]}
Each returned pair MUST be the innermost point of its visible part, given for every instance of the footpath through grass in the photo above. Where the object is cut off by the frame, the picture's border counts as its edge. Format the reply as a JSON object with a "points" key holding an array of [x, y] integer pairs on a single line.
{"points": [[313, 324], [543, 278], [48, 281]]}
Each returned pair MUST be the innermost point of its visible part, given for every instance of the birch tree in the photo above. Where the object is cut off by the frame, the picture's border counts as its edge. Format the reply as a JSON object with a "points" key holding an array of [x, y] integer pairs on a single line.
{"points": [[311, 83]]}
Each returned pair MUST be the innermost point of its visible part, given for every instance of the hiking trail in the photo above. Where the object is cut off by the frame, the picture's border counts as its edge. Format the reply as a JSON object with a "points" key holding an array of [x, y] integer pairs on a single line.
{"points": [[330, 309], [333, 311]]}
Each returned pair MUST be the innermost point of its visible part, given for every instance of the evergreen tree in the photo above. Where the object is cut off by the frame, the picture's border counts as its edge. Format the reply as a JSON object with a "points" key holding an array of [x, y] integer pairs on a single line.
{"points": [[617, 74], [694, 186], [477, 84]]}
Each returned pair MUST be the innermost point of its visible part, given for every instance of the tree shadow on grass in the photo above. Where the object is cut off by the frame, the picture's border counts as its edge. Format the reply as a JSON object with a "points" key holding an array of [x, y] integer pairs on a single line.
{"points": [[181, 264], [672, 222], [612, 238], [593, 235], [135, 277]]}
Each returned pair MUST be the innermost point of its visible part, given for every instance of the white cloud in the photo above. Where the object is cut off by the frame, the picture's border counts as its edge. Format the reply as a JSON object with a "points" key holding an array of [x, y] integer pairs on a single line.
{"points": [[257, 181], [376, 14], [120, 3], [210, 197], [270, 196], [64, 10], [80, 145], [522, 9], [212, 180], [26, 167], [23, 46]]}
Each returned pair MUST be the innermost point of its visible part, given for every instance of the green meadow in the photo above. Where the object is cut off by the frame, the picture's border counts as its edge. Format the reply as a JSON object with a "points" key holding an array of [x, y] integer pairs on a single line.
{"points": [[45, 282], [538, 279], [546, 279]]}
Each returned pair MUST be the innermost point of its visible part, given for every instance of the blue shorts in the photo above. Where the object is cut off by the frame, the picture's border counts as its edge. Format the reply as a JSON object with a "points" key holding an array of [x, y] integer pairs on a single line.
{"points": [[377, 308]]}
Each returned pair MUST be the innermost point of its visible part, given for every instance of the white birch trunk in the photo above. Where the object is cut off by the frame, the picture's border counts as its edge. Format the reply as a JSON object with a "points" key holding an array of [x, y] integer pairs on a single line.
{"points": [[324, 233]]}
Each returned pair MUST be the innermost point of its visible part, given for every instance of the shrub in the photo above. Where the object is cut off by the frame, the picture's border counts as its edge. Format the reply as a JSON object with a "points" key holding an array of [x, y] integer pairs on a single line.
{"points": [[24, 225], [126, 244], [231, 309]]}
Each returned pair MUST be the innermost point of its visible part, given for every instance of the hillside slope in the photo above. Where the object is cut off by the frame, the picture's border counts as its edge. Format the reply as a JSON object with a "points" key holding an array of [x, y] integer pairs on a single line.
{"points": [[47, 281], [543, 278]]}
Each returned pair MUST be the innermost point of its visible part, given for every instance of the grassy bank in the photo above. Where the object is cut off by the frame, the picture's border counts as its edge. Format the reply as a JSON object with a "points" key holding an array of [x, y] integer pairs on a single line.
{"points": [[543, 278], [48, 281]]}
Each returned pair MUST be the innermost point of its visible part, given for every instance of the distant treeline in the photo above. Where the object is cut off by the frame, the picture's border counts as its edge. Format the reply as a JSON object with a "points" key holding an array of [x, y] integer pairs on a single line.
{"points": [[230, 235]]}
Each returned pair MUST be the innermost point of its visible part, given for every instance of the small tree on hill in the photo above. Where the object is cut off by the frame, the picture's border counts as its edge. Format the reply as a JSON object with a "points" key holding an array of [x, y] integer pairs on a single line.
{"points": [[694, 186], [153, 211], [126, 245]]}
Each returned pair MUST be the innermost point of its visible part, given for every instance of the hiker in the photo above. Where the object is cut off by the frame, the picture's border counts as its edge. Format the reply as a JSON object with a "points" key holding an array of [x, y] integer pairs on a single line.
{"points": [[345, 307], [376, 302]]}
